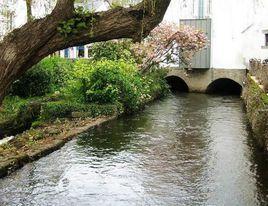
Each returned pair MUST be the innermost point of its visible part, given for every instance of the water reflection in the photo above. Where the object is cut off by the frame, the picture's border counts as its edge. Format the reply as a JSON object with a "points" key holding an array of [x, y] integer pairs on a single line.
{"points": [[259, 167], [188, 149]]}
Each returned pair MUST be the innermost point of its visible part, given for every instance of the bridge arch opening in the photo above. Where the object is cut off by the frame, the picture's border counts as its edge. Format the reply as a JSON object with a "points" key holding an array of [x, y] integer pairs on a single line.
{"points": [[177, 84], [224, 86]]}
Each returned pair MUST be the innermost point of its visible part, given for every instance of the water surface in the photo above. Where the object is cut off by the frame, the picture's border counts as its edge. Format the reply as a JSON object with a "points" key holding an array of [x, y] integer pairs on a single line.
{"points": [[187, 149]]}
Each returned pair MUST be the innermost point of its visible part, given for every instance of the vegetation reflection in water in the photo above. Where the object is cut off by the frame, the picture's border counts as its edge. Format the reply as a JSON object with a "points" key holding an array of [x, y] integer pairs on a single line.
{"points": [[187, 149]]}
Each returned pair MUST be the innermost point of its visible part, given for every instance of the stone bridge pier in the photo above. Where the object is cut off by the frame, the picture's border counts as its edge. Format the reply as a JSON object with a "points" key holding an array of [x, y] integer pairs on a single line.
{"points": [[228, 81]]}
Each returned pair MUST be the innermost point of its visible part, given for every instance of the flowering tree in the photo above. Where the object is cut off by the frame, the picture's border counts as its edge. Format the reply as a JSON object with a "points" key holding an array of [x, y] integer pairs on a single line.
{"points": [[169, 44]]}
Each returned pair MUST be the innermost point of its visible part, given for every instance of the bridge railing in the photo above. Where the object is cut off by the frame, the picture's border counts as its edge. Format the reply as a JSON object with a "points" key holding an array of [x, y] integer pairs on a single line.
{"points": [[259, 69]]}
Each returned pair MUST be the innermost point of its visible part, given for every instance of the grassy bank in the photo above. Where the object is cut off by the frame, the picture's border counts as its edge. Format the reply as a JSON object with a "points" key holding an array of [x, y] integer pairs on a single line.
{"points": [[58, 99], [256, 101], [36, 143], [44, 137]]}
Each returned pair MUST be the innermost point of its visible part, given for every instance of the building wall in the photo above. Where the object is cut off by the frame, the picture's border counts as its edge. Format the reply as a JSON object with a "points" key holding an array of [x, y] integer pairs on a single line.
{"points": [[237, 32], [237, 28]]}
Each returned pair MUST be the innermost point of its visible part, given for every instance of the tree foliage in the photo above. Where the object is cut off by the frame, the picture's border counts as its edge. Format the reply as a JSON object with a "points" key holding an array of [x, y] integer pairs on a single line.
{"points": [[26, 46], [169, 44]]}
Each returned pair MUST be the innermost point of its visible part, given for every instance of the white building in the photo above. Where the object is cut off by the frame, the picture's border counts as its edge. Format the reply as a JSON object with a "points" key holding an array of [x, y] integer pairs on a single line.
{"points": [[83, 50], [239, 28]]}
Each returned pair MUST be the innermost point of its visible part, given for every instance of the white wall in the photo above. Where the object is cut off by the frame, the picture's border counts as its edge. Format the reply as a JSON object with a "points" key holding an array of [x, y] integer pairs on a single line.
{"points": [[254, 38], [172, 14], [237, 33], [21, 14], [237, 28]]}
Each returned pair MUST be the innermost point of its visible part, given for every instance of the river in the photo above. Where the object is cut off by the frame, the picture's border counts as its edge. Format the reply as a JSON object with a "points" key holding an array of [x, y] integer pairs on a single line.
{"points": [[186, 149]]}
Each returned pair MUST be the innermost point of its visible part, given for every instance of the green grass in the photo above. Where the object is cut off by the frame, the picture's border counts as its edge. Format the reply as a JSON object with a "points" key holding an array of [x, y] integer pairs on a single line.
{"points": [[63, 109], [264, 98], [11, 106], [258, 91]]}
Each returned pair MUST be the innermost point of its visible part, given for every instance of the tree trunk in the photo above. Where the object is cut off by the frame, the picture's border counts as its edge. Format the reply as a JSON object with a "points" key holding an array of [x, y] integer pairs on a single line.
{"points": [[29, 10], [26, 46]]}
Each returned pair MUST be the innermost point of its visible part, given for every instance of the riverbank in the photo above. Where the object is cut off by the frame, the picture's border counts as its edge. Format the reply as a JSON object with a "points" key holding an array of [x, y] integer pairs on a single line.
{"points": [[48, 137], [256, 101], [43, 141]]}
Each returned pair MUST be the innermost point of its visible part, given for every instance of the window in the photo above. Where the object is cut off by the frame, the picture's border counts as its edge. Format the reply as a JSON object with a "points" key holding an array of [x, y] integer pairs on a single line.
{"points": [[201, 9], [81, 51], [265, 45], [66, 53]]}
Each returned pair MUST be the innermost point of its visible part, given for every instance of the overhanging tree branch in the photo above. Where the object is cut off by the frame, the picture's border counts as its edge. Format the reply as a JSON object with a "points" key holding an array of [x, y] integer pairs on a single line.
{"points": [[26, 46]]}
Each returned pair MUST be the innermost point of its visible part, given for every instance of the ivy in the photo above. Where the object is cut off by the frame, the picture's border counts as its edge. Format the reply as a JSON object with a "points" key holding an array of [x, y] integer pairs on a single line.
{"points": [[82, 19]]}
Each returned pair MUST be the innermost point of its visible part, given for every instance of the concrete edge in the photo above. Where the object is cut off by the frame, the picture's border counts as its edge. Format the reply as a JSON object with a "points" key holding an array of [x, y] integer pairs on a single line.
{"points": [[19, 161]]}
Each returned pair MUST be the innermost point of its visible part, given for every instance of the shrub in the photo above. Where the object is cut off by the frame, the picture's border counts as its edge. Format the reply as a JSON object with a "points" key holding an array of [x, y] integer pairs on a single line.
{"points": [[17, 117], [60, 70], [47, 76], [109, 82], [64, 109], [35, 82], [156, 83], [112, 50], [11, 106]]}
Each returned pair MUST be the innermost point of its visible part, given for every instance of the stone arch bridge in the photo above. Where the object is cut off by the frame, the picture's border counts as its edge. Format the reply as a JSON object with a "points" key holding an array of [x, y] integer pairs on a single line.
{"points": [[207, 81]]}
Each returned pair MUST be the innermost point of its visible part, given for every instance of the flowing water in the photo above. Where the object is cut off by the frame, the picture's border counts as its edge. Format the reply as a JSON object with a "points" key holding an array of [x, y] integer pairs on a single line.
{"points": [[187, 149]]}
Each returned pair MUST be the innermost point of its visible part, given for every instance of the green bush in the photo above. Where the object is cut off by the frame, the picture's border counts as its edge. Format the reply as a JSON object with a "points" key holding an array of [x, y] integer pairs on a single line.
{"points": [[108, 82], [155, 83], [35, 82], [111, 82], [60, 70], [64, 109], [48, 76], [112, 50], [84, 86], [11, 106], [17, 115]]}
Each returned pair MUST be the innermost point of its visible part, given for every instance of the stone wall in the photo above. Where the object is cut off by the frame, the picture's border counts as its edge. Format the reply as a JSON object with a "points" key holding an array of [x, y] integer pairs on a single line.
{"points": [[256, 101], [259, 69]]}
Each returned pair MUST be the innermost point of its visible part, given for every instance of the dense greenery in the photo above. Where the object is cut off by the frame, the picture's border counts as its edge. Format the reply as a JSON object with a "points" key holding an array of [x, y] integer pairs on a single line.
{"points": [[62, 109], [48, 76], [109, 83], [113, 50], [256, 101], [17, 115], [11, 106]]}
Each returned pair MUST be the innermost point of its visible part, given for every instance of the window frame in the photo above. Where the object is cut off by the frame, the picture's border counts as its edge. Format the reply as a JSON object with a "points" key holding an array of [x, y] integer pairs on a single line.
{"points": [[266, 39]]}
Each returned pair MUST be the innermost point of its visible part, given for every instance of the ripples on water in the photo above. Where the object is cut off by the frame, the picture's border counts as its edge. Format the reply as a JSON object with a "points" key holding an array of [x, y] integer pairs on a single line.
{"points": [[189, 149]]}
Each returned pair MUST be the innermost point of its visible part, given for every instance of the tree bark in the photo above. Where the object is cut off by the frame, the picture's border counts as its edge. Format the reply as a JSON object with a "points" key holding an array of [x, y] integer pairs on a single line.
{"points": [[26, 46], [29, 10]]}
